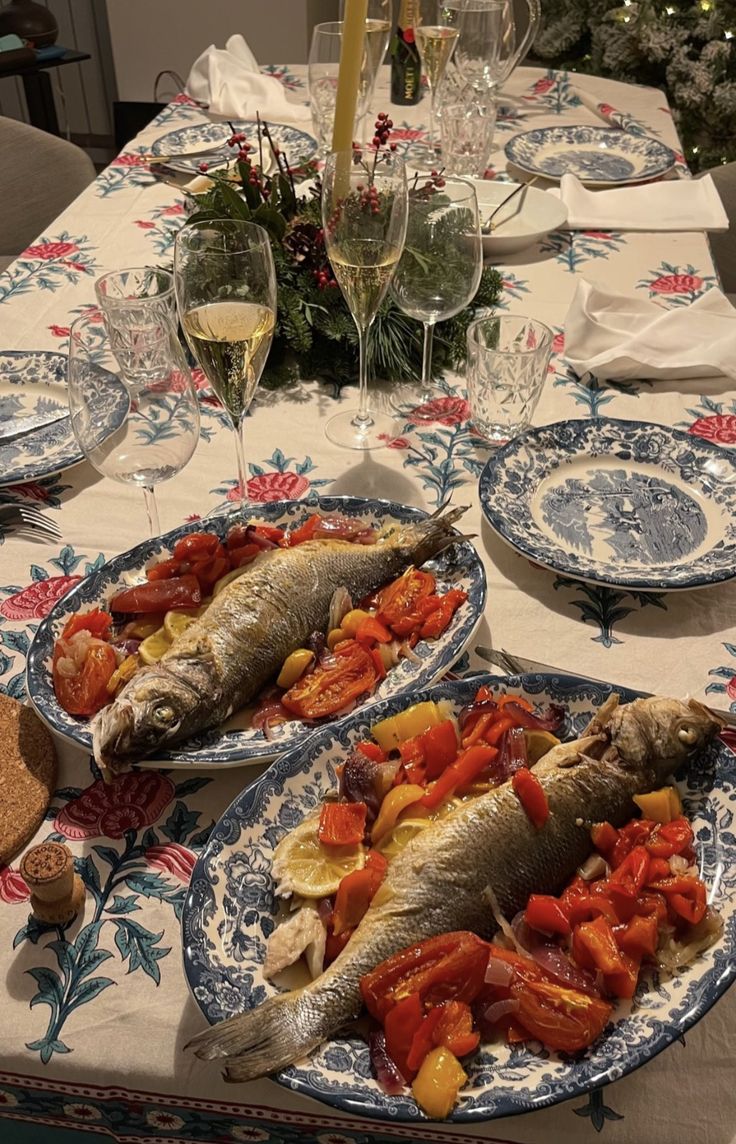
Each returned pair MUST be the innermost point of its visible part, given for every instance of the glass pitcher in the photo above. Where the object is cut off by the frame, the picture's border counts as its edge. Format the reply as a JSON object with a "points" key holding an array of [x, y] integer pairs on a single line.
{"points": [[503, 56]]}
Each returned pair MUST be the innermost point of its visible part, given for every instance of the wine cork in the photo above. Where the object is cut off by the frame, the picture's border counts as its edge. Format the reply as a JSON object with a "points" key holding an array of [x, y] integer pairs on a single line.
{"points": [[57, 893]]}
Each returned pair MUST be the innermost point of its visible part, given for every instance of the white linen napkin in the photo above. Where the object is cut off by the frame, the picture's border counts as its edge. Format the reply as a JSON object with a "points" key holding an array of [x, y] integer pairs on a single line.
{"points": [[229, 82], [619, 337], [676, 204]]}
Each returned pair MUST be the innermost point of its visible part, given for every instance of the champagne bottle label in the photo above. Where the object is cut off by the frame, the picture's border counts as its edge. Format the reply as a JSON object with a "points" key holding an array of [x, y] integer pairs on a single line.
{"points": [[406, 66]]}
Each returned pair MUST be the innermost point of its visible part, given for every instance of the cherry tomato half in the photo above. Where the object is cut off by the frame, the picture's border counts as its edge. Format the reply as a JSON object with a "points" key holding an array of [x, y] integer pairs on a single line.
{"points": [[86, 692], [324, 691]]}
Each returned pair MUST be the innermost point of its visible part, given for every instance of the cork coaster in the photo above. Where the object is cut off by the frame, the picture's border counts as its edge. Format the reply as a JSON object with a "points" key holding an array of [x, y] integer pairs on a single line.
{"points": [[27, 775]]}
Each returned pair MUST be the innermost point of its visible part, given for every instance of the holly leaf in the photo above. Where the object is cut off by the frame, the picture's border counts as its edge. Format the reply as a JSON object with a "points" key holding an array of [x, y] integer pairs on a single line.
{"points": [[66, 561], [121, 905], [138, 947], [180, 823], [150, 838], [16, 687], [32, 931]]}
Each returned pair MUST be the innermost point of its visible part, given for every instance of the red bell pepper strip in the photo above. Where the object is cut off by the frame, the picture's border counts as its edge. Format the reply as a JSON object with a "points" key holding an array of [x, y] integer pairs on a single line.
{"points": [[499, 728], [159, 596], [371, 751], [454, 1029], [530, 793], [355, 893], [631, 875], [164, 570], [604, 837], [440, 618], [670, 838], [640, 937], [623, 983], [401, 1024], [450, 966], [594, 947], [378, 662], [440, 747], [239, 557], [459, 774], [335, 944], [342, 823], [546, 914], [423, 1041], [685, 896], [370, 630], [659, 868], [304, 532]]}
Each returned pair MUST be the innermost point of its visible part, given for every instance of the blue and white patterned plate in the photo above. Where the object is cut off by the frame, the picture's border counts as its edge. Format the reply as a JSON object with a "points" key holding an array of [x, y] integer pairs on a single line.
{"points": [[230, 908], [624, 503], [599, 156], [34, 381], [235, 743], [295, 144]]}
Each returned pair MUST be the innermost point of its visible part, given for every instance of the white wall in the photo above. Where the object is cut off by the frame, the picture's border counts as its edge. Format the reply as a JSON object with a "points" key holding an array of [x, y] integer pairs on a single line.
{"points": [[149, 36]]}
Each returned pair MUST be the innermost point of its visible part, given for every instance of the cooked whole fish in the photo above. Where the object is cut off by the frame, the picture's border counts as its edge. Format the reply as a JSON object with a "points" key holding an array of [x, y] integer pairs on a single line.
{"points": [[224, 659], [486, 851]]}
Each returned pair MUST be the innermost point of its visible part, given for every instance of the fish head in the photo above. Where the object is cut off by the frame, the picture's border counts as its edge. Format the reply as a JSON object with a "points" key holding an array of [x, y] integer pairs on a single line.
{"points": [[154, 708], [661, 734]]}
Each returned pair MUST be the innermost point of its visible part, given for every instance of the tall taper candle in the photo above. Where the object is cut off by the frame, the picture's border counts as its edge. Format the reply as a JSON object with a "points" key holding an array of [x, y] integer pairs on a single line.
{"points": [[351, 61]]}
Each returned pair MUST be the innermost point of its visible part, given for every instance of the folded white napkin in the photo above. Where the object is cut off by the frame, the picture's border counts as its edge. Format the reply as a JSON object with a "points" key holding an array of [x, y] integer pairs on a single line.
{"points": [[229, 82], [675, 204], [622, 338]]}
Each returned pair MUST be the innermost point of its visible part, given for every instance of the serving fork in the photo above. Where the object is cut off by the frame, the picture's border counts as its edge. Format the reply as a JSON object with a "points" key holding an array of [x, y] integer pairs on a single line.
{"points": [[29, 518]]}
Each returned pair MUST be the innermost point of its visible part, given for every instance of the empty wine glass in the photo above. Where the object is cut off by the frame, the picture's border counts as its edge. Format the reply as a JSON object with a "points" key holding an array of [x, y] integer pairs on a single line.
{"points": [[364, 207], [439, 272], [226, 294], [137, 426], [323, 68]]}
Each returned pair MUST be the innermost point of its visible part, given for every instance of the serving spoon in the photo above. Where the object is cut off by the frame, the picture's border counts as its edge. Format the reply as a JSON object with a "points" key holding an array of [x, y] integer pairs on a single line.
{"points": [[488, 227]]}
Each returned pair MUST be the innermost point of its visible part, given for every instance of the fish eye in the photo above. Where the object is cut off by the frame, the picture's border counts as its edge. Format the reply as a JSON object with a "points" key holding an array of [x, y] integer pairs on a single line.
{"points": [[163, 715], [687, 735]]}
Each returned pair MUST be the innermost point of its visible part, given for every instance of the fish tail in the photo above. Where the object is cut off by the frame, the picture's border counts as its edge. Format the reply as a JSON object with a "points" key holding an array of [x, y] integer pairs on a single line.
{"points": [[433, 535], [265, 1039]]}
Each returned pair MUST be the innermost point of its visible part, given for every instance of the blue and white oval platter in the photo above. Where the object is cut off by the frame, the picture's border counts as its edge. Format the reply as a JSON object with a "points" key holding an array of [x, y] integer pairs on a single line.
{"points": [[235, 742], [599, 156], [596, 500], [229, 914], [297, 145]]}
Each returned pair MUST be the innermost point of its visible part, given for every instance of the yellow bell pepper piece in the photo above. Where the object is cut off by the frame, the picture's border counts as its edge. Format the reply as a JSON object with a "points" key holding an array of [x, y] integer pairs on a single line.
{"points": [[122, 673], [660, 805], [294, 666], [414, 721], [439, 1080], [397, 799], [352, 621]]}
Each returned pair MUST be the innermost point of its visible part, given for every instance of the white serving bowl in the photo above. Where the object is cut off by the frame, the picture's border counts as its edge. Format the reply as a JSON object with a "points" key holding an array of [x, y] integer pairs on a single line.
{"points": [[529, 216]]}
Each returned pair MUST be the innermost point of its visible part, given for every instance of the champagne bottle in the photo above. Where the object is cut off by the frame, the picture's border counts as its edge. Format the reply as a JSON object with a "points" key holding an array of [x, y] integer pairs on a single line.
{"points": [[406, 67]]}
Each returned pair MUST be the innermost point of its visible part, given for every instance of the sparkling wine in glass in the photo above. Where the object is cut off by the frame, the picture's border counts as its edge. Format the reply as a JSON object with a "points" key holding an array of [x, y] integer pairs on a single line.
{"points": [[435, 43], [136, 419], [364, 211], [226, 295], [440, 269]]}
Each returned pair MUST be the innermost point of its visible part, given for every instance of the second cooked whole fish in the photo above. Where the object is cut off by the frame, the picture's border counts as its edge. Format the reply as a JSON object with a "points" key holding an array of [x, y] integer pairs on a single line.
{"points": [[226, 656]]}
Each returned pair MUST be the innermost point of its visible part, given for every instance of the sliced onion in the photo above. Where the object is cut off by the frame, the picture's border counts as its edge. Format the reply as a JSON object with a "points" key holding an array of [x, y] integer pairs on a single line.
{"points": [[340, 605], [409, 653], [552, 721], [552, 959], [594, 866], [481, 708], [512, 755], [502, 923], [676, 955], [384, 1070], [526, 938], [678, 864], [499, 1009], [359, 782], [498, 972], [127, 647]]}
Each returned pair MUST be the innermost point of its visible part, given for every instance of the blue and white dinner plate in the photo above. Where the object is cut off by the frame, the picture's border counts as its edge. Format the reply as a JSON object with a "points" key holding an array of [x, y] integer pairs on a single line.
{"points": [[599, 156], [230, 909], [34, 381], [623, 503], [235, 743], [296, 145]]}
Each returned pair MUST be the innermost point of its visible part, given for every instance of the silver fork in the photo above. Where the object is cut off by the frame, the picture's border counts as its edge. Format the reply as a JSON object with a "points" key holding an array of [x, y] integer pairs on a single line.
{"points": [[29, 518]]}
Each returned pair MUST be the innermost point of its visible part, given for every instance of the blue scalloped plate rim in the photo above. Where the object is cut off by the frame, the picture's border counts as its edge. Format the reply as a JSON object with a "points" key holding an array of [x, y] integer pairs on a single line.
{"points": [[221, 989], [510, 478], [285, 137], [523, 151], [234, 748]]}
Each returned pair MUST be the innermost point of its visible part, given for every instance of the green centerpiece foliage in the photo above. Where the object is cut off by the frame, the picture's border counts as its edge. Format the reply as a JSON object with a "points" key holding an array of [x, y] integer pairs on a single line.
{"points": [[685, 47], [315, 334]]}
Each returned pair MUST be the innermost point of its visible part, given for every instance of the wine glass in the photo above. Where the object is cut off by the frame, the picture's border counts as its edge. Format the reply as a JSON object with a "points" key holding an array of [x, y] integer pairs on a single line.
{"points": [[435, 43], [323, 68], [364, 209], [136, 421], [225, 283], [480, 25], [439, 272]]}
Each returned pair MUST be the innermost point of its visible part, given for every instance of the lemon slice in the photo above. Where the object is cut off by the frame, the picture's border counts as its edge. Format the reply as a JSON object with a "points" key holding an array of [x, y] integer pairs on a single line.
{"points": [[395, 841], [538, 743], [302, 865], [177, 622], [153, 647]]}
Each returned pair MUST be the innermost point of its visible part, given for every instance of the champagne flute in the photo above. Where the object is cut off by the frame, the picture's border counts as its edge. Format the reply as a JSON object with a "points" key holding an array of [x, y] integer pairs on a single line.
{"points": [[136, 420], [226, 295], [364, 210], [439, 272], [435, 43]]}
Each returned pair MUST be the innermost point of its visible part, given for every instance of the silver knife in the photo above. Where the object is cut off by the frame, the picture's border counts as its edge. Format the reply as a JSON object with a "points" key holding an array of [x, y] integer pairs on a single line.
{"points": [[16, 426], [515, 664]]}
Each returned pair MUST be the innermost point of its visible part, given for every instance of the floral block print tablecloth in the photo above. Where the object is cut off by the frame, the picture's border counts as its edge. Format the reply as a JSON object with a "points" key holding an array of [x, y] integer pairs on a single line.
{"points": [[95, 1014]]}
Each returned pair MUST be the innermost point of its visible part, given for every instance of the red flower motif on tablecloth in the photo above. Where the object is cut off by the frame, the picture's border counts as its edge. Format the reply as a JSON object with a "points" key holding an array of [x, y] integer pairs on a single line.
{"points": [[272, 487], [676, 284], [602, 234], [13, 889], [199, 379], [406, 134], [173, 858], [32, 489], [60, 331], [130, 161], [128, 802], [446, 410], [731, 687], [394, 442], [38, 598], [47, 251], [193, 516], [720, 428], [144, 224], [558, 343], [542, 86], [174, 209]]}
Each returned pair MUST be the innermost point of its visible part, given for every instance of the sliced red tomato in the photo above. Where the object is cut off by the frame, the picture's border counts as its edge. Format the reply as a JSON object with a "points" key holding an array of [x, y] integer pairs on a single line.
{"points": [[159, 596], [439, 620], [304, 532], [86, 692], [546, 914], [196, 544], [370, 630], [448, 967], [454, 1029], [243, 555], [96, 622], [330, 687], [210, 569], [561, 1018], [398, 602], [164, 570]]}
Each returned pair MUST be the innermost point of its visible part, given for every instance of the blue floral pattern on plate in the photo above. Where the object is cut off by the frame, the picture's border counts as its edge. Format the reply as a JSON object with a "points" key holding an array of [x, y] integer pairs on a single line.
{"points": [[230, 908], [296, 144], [595, 500], [34, 381], [234, 744], [604, 155]]}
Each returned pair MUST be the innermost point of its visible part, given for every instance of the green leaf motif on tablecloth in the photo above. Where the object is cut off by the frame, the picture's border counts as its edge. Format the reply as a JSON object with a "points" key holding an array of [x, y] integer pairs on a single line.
{"points": [[148, 885], [180, 822], [137, 946], [121, 905], [598, 1112], [605, 607]]}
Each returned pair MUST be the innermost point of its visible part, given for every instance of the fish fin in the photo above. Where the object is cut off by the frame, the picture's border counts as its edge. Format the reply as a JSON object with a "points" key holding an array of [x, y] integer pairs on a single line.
{"points": [[707, 712], [265, 1039], [602, 717]]}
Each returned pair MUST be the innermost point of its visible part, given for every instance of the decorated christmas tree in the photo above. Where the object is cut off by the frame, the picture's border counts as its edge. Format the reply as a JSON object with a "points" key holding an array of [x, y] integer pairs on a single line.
{"points": [[685, 47]]}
